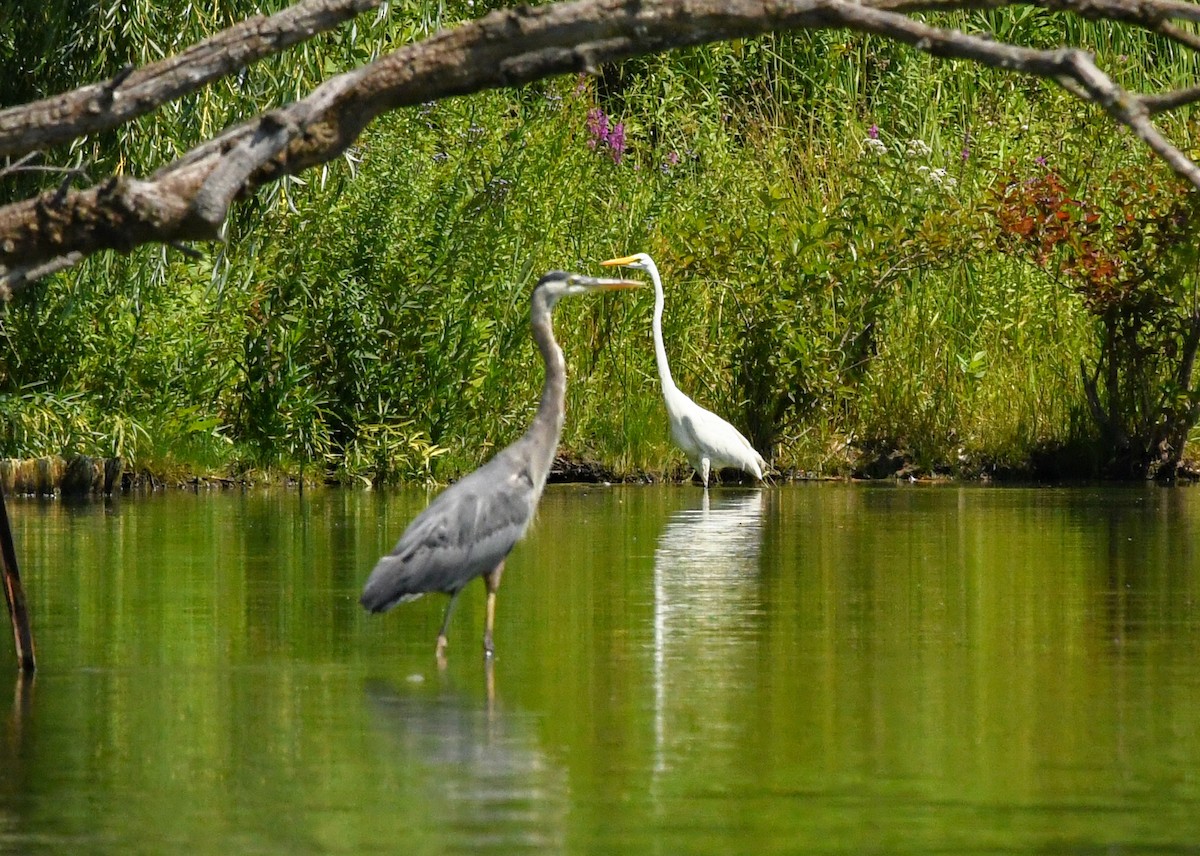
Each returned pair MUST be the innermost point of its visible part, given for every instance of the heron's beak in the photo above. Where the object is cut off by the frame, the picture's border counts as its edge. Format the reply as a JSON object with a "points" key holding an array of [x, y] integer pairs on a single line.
{"points": [[598, 283], [623, 260]]}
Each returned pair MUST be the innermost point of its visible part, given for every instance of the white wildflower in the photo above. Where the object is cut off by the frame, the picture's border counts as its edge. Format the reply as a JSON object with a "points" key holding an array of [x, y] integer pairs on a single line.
{"points": [[876, 145], [941, 177], [918, 148], [938, 176]]}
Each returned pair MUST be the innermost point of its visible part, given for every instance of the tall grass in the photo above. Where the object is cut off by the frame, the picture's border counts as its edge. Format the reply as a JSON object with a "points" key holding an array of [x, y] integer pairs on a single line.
{"points": [[370, 320]]}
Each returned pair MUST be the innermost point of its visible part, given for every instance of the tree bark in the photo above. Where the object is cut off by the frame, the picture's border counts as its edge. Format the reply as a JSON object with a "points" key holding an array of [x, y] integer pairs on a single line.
{"points": [[189, 199], [14, 596]]}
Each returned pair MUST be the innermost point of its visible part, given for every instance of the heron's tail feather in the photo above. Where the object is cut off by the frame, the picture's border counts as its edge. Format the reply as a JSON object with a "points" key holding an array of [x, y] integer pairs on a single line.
{"points": [[385, 587]]}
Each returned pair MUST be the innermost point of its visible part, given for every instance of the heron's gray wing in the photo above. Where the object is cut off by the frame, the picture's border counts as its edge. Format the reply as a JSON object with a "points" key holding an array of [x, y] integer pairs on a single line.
{"points": [[464, 532]]}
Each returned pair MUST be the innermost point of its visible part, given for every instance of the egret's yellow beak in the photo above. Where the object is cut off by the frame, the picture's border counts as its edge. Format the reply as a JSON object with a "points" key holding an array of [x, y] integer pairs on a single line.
{"points": [[623, 260]]}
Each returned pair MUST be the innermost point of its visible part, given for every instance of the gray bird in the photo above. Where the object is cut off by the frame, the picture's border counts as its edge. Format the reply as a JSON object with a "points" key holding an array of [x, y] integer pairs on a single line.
{"points": [[469, 529]]}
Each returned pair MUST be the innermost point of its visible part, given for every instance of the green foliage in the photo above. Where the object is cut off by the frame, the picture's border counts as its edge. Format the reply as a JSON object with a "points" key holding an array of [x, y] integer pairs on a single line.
{"points": [[837, 295]]}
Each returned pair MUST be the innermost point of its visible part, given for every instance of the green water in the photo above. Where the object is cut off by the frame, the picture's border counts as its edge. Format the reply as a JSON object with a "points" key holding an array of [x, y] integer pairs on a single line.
{"points": [[811, 669]]}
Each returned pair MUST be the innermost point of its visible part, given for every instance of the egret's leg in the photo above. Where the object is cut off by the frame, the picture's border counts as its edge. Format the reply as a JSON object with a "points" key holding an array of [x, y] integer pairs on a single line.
{"points": [[492, 581], [704, 463], [442, 641]]}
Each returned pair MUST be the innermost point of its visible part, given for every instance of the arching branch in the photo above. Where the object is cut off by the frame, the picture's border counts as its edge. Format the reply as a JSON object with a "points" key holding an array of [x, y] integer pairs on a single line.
{"points": [[190, 198], [137, 91]]}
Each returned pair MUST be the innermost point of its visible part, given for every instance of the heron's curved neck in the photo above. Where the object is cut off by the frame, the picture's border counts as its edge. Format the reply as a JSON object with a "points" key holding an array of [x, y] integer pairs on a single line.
{"points": [[660, 351], [547, 424]]}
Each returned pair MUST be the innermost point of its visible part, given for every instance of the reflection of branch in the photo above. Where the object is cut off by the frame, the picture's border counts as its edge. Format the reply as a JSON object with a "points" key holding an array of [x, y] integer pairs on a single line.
{"points": [[189, 199]]}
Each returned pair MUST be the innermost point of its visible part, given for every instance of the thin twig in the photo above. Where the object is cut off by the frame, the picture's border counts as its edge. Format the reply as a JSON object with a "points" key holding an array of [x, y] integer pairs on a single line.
{"points": [[24, 164], [1161, 103], [13, 281]]}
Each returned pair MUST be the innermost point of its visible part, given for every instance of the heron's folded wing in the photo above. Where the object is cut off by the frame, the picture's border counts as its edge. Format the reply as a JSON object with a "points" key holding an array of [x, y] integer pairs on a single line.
{"points": [[466, 531]]}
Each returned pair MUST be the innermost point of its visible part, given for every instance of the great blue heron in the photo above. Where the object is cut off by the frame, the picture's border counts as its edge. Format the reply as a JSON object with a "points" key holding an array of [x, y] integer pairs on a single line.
{"points": [[707, 439], [469, 529]]}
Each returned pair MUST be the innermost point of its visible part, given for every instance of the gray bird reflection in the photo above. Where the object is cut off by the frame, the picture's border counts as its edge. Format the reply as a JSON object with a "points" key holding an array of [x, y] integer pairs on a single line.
{"points": [[477, 766], [706, 592]]}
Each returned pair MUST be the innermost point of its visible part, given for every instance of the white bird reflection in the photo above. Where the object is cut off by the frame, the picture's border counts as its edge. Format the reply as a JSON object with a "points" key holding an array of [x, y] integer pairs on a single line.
{"points": [[480, 768], [705, 592]]}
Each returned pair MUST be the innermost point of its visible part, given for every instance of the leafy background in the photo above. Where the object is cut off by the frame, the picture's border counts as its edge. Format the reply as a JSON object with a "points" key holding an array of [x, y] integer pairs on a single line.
{"points": [[866, 266]]}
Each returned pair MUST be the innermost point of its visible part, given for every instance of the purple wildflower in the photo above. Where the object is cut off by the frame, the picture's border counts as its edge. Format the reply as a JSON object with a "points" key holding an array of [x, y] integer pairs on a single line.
{"points": [[616, 141], [673, 158], [597, 122], [873, 132], [1040, 160], [602, 134]]}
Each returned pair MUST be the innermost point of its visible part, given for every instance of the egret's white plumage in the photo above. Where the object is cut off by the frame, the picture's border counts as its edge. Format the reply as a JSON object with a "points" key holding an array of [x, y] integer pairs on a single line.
{"points": [[709, 442]]}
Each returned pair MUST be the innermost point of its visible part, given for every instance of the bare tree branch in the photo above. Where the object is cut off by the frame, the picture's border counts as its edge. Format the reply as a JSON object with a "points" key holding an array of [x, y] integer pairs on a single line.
{"points": [[1148, 14], [1155, 104], [17, 280], [1184, 37], [189, 199], [1074, 69], [109, 104], [136, 92]]}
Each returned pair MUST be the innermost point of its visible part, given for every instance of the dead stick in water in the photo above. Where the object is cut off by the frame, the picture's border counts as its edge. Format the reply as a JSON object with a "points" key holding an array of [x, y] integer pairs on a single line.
{"points": [[14, 594]]}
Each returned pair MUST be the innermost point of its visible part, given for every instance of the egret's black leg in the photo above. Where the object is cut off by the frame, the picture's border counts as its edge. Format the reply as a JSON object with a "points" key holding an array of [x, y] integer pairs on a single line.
{"points": [[442, 641], [492, 581]]}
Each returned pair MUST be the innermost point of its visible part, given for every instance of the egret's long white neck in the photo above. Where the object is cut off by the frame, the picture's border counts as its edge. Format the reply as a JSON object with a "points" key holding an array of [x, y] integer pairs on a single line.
{"points": [[660, 351]]}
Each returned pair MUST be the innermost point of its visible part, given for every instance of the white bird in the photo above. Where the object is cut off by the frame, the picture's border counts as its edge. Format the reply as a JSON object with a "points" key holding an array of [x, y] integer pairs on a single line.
{"points": [[708, 440]]}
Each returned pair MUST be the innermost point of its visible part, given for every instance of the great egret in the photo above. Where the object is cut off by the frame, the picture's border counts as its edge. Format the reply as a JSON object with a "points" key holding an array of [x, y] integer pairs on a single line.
{"points": [[708, 440], [469, 529]]}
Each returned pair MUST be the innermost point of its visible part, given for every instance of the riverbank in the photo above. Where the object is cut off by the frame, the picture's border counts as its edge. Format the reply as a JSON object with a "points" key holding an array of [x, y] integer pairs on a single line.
{"points": [[81, 475], [874, 284]]}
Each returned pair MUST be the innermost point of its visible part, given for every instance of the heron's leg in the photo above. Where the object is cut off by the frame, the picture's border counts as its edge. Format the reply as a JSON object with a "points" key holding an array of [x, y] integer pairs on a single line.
{"points": [[704, 463], [442, 641], [492, 581], [489, 674]]}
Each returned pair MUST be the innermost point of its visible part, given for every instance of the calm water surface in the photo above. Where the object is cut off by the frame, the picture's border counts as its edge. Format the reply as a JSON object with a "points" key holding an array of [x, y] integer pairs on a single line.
{"points": [[810, 669]]}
